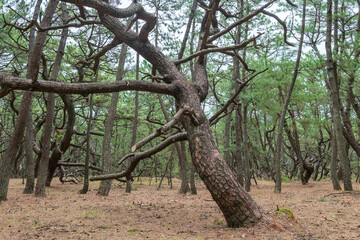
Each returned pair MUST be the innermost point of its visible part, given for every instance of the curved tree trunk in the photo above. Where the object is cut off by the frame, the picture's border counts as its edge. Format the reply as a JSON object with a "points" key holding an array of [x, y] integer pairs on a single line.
{"points": [[236, 204], [65, 141]]}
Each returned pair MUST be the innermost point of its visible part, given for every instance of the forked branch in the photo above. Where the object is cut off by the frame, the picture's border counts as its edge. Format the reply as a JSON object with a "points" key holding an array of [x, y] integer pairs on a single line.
{"points": [[137, 157], [161, 130], [134, 9]]}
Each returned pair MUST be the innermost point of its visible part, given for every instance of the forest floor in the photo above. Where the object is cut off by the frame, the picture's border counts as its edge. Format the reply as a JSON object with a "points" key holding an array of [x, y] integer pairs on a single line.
{"points": [[313, 211]]}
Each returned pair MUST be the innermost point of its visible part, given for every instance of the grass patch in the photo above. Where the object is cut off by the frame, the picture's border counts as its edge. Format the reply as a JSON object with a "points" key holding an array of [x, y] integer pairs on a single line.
{"points": [[285, 212], [132, 230]]}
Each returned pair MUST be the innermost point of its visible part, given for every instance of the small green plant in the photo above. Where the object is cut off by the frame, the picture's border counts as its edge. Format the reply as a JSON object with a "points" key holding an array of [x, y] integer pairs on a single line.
{"points": [[90, 214], [285, 212], [37, 224], [132, 230], [219, 222]]}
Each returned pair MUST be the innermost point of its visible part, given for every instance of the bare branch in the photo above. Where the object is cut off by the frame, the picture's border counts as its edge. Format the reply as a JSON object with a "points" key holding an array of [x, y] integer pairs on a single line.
{"points": [[234, 54], [137, 157], [282, 24], [241, 21], [101, 53], [161, 130], [292, 4], [85, 88], [4, 91], [231, 100], [134, 9], [217, 49], [67, 164]]}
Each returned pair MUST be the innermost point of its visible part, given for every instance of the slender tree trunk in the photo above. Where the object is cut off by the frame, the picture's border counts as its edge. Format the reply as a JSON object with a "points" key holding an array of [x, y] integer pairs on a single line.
{"points": [[240, 168], [247, 170], [277, 158], [46, 137], [334, 92], [45, 149], [334, 163], [193, 189], [183, 169], [105, 185], [85, 188], [227, 150], [30, 162], [136, 116], [33, 65]]}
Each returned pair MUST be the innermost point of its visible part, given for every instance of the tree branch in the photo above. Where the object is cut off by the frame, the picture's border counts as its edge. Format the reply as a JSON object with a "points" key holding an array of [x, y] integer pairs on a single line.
{"points": [[282, 24], [217, 49], [137, 157], [161, 130], [231, 100], [85, 88], [241, 21], [134, 9]]}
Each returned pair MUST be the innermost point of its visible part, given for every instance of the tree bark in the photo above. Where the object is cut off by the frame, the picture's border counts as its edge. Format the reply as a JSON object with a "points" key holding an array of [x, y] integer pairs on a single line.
{"points": [[48, 129], [33, 65], [334, 93], [85, 188], [334, 163], [30, 162], [65, 141], [105, 185], [277, 157]]}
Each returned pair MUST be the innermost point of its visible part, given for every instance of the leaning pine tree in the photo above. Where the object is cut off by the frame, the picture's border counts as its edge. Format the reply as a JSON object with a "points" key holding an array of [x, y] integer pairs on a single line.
{"points": [[236, 204]]}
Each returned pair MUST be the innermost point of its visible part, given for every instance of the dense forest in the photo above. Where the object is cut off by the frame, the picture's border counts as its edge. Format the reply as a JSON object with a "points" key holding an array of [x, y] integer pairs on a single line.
{"points": [[227, 92]]}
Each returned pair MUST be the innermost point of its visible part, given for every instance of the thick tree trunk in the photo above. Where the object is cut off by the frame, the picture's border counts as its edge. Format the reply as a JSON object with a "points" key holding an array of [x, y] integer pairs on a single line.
{"points": [[238, 207], [105, 185]]}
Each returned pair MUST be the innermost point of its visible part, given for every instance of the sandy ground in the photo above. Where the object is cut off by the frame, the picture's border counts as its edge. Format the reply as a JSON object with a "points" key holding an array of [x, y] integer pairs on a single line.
{"points": [[318, 213]]}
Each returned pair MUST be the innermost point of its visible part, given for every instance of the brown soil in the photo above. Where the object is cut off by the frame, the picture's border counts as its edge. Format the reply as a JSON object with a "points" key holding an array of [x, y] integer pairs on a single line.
{"points": [[316, 212]]}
